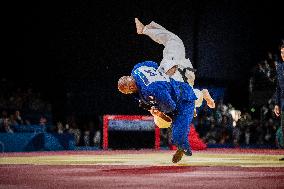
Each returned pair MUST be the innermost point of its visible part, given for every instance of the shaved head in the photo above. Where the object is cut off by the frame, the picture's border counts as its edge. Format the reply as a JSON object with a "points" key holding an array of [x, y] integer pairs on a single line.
{"points": [[127, 85]]}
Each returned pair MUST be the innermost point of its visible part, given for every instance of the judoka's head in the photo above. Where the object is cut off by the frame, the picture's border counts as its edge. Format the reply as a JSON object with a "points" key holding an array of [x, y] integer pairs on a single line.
{"points": [[127, 85]]}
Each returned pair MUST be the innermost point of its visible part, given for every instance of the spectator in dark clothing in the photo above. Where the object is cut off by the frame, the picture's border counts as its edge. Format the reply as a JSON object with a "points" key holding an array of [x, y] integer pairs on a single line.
{"points": [[17, 118], [279, 95]]}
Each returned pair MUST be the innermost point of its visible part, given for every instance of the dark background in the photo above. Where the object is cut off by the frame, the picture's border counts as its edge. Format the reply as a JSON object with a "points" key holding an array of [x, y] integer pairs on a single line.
{"points": [[74, 52]]}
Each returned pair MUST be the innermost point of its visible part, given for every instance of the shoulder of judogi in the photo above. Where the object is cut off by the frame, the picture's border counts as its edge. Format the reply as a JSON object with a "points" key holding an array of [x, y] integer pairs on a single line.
{"points": [[146, 64]]}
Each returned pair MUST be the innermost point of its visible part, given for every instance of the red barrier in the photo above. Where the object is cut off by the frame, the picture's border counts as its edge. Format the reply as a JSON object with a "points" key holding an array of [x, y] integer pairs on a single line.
{"points": [[195, 142], [106, 119]]}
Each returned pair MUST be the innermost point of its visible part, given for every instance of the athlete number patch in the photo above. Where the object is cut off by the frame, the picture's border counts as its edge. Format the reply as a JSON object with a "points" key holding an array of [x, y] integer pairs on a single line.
{"points": [[149, 75]]}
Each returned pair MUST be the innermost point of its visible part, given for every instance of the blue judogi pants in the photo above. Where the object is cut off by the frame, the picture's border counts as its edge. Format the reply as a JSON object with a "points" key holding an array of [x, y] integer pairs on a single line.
{"points": [[180, 125]]}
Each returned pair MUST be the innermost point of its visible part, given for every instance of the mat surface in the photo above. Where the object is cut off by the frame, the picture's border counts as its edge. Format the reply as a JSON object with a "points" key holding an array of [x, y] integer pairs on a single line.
{"points": [[213, 168]]}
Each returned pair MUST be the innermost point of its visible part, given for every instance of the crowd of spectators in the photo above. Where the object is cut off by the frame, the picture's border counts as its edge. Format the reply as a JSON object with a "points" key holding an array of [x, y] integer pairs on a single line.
{"points": [[249, 127], [24, 99], [256, 125], [10, 122], [215, 126], [21, 107], [24, 107], [22, 110], [86, 133]]}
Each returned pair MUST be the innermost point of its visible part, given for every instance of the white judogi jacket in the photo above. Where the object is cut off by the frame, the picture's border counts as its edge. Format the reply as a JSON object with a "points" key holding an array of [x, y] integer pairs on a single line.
{"points": [[173, 55]]}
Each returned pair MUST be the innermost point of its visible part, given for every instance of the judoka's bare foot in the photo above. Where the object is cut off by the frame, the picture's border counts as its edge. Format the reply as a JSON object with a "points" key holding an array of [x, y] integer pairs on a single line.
{"points": [[139, 26], [208, 98]]}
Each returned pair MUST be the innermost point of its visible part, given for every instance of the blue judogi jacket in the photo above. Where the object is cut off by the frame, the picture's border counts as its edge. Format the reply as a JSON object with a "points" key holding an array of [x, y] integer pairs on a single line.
{"points": [[279, 94], [158, 87]]}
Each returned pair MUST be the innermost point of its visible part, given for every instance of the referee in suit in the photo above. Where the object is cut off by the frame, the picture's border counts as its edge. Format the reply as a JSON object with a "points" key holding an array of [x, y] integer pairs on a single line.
{"points": [[279, 94]]}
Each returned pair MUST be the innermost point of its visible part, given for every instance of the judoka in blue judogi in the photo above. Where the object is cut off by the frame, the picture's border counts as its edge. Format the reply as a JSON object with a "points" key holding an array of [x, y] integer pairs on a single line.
{"points": [[167, 95]]}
